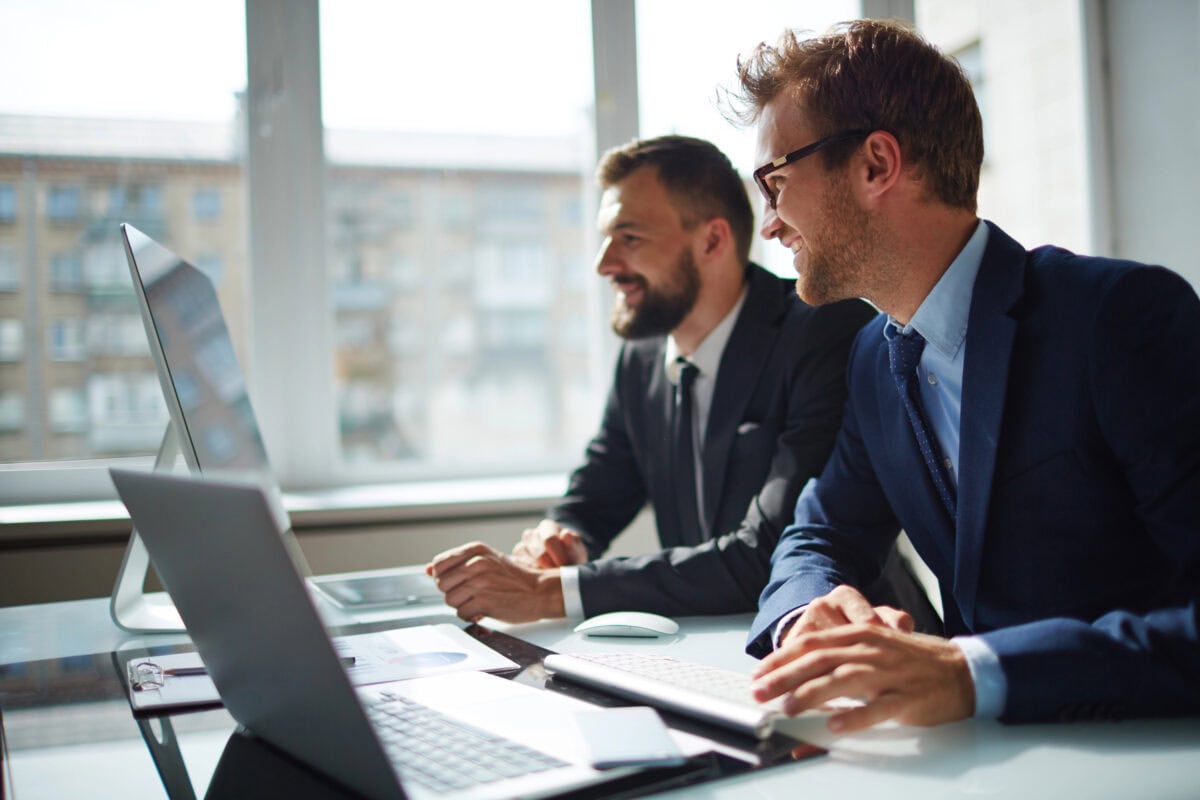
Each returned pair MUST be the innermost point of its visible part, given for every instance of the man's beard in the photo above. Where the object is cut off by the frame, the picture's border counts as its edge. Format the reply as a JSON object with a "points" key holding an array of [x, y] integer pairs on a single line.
{"points": [[661, 310], [842, 250]]}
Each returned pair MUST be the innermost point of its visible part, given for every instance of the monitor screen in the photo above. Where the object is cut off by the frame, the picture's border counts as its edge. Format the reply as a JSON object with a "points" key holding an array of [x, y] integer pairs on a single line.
{"points": [[193, 353]]}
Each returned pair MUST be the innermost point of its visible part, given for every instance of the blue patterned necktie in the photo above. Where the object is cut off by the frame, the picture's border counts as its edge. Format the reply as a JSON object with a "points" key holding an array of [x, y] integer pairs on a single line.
{"points": [[684, 466], [904, 352]]}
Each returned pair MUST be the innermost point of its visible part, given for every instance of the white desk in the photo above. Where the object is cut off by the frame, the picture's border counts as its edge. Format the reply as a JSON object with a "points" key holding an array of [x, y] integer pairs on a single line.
{"points": [[1139, 759]]}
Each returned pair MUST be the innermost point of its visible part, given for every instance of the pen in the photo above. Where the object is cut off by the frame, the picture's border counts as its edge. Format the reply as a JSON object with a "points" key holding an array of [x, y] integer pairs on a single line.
{"points": [[184, 672]]}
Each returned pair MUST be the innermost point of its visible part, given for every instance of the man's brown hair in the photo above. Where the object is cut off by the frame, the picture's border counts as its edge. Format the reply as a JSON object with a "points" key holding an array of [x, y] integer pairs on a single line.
{"points": [[698, 177], [875, 75]]}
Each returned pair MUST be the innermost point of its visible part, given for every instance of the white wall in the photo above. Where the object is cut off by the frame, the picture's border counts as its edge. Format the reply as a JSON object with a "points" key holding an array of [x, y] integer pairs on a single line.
{"points": [[1154, 74]]}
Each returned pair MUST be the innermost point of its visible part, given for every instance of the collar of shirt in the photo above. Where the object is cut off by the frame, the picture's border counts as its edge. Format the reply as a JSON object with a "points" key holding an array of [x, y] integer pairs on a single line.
{"points": [[707, 357], [942, 316], [942, 319]]}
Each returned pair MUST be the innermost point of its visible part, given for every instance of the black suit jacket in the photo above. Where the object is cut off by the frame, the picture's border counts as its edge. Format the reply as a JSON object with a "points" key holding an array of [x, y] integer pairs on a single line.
{"points": [[776, 408]]}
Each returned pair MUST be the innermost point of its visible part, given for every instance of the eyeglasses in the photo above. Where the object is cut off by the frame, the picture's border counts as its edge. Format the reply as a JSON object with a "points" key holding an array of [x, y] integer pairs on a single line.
{"points": [[760, 174]]}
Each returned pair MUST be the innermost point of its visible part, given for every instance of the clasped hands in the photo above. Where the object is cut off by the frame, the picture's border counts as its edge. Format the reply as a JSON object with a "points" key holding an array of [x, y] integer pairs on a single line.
{"points": [[842, 646], [479, 581]]}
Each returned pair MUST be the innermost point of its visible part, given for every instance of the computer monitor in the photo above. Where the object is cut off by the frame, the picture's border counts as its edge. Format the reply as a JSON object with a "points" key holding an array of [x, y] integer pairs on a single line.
{"points": [[212, 425]]}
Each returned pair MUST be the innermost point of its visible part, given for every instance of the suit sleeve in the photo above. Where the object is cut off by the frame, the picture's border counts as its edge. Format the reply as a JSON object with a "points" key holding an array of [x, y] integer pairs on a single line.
{"points": [[606, 492], [1144, 370], [843, 530], [726, 574]]}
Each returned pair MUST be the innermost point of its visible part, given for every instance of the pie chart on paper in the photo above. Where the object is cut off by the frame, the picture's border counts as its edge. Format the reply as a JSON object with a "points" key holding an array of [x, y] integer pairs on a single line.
{"points": [[430, 660]]}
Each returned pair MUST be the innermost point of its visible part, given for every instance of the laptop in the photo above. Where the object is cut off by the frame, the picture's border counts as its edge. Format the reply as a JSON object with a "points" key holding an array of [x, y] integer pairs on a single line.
{"points": [[218, 545], [213, 422]]}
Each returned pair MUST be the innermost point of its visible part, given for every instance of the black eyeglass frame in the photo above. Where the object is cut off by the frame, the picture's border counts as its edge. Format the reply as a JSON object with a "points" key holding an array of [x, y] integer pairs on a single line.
{"points": [[760, 174]]}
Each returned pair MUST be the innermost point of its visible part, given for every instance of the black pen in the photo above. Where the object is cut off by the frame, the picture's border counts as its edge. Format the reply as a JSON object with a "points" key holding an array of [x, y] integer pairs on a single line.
{"points": [[184, 672]]}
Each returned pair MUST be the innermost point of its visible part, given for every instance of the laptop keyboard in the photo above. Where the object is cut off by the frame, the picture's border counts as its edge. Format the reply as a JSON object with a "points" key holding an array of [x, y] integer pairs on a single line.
{"points": [[445, 754]]}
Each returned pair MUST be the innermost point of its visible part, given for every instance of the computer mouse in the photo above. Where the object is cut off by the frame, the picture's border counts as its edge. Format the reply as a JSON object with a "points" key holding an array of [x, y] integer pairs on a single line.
{"points": [[628, 623]]}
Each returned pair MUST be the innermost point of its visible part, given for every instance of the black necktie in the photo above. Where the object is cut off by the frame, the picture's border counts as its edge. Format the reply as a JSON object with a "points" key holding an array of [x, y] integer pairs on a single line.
{"points": [[904, 352], [684, 465]]}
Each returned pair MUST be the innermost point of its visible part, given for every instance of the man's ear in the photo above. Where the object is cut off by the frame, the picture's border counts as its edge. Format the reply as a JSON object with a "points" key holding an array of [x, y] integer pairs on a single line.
{"points": [[715, 236], [881, 165]]}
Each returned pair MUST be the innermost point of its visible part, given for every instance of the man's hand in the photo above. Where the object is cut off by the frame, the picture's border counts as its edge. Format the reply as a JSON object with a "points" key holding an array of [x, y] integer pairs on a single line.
{"points": [[549, 545], [480, 582], [909, 677], [843, 606]]}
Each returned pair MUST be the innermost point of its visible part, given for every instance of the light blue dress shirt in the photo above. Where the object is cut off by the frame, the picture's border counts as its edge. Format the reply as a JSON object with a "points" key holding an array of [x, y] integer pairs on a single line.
{"points": [[942, 319]]}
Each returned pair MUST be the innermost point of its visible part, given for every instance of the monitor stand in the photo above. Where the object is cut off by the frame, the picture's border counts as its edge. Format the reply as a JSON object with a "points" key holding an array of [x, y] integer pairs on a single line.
{"points": [[131, 608]]}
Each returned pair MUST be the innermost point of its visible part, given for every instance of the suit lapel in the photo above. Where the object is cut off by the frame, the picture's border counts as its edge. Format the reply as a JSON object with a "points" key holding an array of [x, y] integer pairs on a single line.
{"points": [[750, 345], [655, 399], [991, 331]]}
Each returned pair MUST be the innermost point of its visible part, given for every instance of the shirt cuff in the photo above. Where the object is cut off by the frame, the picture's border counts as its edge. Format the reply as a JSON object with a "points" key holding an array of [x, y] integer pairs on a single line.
{"points": [[572, 599], [784, 623], [991, 687]]}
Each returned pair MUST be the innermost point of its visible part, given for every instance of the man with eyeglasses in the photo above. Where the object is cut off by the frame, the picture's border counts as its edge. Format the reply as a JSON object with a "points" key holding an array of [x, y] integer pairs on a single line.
{"points": [[764, 398], [1031, 419]]}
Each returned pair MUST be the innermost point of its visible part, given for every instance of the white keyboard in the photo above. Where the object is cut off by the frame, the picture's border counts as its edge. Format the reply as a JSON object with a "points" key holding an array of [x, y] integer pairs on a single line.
{"points": [[719, 696]]}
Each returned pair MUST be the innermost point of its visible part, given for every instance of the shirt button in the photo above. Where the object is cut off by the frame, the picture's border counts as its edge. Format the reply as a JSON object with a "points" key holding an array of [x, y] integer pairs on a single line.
{"points": [[932, 379]]}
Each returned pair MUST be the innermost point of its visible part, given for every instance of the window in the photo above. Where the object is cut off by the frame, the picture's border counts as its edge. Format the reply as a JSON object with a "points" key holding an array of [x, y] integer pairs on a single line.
{"points": [[441, 220], [206, 204], [64, 340], [127, 412], [66, 272], [93, 157], [12, 340], [456, 232], [10, 269], [8, 202], [68, 411], [12, 411], [64, 203]]}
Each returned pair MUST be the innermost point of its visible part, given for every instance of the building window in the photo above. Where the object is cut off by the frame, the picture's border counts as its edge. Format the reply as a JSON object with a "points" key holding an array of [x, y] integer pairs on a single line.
{"points": [[206, 204], [8, 202], [66, 272], [10, 270], [68, 410], [64, 203], [135, 200], [12, 340], [12, 411], [64, 340], [116, 335]]}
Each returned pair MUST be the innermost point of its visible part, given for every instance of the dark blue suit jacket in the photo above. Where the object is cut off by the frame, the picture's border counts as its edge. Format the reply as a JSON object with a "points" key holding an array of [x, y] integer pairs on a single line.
{"points": [[1076, 551]]}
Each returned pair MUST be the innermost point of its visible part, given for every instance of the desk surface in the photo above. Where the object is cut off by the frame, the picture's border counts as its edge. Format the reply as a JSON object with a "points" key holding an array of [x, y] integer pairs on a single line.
{"points": [[69, 735]]}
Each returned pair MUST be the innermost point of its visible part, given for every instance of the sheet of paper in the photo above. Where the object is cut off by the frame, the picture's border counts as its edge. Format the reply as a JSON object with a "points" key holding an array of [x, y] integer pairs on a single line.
{"points": [[422, 650], [379, 657]]}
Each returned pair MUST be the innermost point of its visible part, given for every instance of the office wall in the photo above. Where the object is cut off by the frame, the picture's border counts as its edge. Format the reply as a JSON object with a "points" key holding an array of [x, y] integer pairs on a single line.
{"points": [[1154, 78]]}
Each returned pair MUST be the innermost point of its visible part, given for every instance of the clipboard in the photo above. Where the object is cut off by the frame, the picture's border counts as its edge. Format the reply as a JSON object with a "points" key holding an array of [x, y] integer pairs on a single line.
{"points": [[169, 682], [179, 681]]}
